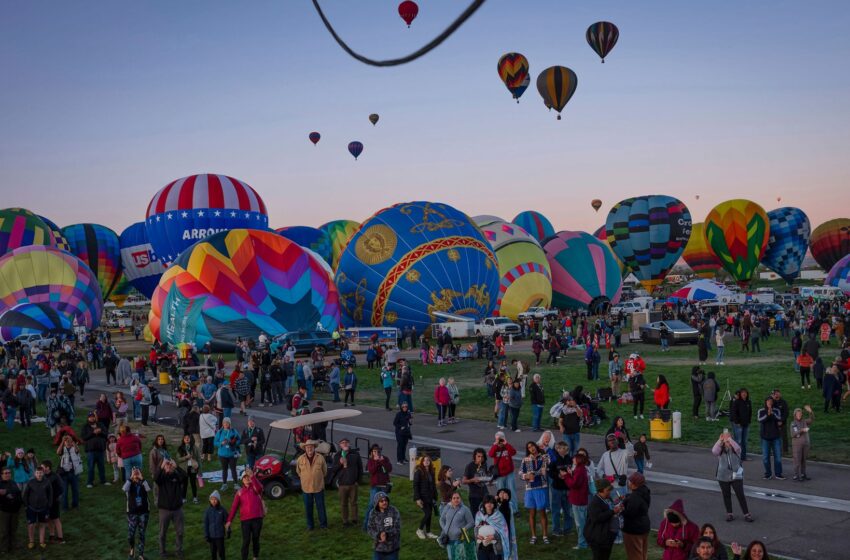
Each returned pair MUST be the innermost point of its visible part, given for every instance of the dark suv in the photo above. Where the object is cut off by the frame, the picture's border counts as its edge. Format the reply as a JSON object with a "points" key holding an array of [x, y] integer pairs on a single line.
{"points": [[305, 341]]}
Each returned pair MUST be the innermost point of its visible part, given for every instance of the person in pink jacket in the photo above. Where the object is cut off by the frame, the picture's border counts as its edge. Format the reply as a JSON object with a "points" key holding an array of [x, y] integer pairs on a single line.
{"points": [[249, 503], [442, 399]]}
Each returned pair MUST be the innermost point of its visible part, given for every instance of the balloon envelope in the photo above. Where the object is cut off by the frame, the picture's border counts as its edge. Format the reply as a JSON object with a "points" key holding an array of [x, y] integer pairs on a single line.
{"points": [[99, 248], [412, 260], [239, 283], [788, 242], [34, 318], [649, 233], [830, 242], [191, 208], [603, 237], [141, 266], [702, 289], [355, 148], [513, 71], [839, 275], [339, 232], [311, 238], [60, 240], [535, 224], [525, 277], [737, 232], [556, 85], [699, 256], [315, 137], [585, 274], [19, 228], [374, 118], [50, 277], [596, 204], [602, 36], [408, 10]]}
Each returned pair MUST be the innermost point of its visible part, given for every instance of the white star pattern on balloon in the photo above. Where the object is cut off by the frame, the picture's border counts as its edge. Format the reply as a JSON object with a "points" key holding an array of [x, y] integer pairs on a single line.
{"points": [[200, 213], [233, 214], [217, 213], [169, 215], [184, 214]]}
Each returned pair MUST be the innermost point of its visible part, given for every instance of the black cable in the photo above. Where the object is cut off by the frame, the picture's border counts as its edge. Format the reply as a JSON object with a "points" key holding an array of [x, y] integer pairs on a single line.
{"points": [[473, 7]]}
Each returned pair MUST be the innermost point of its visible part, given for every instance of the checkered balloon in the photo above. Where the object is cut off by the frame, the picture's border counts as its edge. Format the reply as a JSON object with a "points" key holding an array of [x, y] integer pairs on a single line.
{"points": [[789, 240]]}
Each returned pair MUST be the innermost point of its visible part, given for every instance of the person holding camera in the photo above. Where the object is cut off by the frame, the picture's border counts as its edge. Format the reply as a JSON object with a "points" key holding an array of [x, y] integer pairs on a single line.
{"points": [[602, 523], [730, 473], [379, 468], [502, 454], [170, 482], [254, 440]]}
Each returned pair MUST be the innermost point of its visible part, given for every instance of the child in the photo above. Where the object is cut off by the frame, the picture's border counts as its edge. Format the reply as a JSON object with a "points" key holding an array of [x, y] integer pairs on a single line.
{"points": [[214, 519], [113, 458], [641, 453]]}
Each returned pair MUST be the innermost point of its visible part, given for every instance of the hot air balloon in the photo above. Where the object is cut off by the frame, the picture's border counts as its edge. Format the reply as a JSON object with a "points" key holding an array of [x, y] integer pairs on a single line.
{"points": [[830, 241], [194, 207], [535, 223], [60, 240], [315, 137], [596, 204], [649, 233], [408, 11], [141, 266], [310, 238], [737, 232], [603, 237], [63, 286], [513, 71], [412, 260], [99, 248], [525, 278], [788, 242], [839, 275], [585, 274], [240, 283], [697, 197], [355, 148], [556, 85], [602, 36], [34, 318], [698, 254], [778, 199], [339, 233], [20, 227], [121, 292], [373, 118]]}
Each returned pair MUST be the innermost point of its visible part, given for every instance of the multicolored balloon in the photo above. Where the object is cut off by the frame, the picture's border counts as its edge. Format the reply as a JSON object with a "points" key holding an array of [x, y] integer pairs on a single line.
{"points": [[525, 277], [408, 10], [33, 318], [737, 232], [412, 260], [60, 240], [355, 149], [602, 36], [315, 137], [19, 228], [513, 71], [51, 278], [339, 233], [535, 223], [603, 237], [240, 283], [194, 207], [649, 233], [839, 275], [140, 264], [556, 85], [121, 292], [585, 274], [788, 242], [99, 248], [830, 242], [310, 238], [373, 118], [699, 256]]}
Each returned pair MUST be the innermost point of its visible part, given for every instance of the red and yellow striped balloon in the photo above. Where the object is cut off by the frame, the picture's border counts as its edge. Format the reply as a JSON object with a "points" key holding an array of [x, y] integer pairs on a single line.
{"points": [[699, 255]]}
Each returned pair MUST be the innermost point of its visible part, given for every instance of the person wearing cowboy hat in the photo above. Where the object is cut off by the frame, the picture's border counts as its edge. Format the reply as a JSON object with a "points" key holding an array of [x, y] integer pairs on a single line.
{"points": [[311, 469]]}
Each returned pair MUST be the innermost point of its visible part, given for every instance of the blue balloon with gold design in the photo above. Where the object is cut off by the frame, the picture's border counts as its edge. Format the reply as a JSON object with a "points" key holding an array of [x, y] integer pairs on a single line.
{"points": [[412, 260]]}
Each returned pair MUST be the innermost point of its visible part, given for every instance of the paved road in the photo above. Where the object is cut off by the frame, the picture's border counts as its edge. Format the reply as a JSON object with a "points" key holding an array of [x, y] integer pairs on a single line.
{"points": [[799, 520]]}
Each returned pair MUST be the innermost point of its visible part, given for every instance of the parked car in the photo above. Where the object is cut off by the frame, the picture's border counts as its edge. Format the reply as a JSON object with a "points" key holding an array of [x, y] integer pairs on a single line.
{"points": [[626, 308], [679, 332], [769, 309], [305, 341], [538, 313], [45, 343], [503, 325]]}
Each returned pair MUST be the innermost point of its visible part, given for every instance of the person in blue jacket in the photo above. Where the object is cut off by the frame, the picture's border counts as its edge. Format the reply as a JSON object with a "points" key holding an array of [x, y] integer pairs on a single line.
{"points": [[350, 385], [227, 442], [215, 517]]}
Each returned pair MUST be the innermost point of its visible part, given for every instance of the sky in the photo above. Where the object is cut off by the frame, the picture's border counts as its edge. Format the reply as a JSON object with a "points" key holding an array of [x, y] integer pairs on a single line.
{"points": [[104, 103]]}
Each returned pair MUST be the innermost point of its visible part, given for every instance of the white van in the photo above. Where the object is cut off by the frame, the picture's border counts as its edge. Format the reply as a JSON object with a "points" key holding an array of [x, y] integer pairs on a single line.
{"points": [[821, 293]]}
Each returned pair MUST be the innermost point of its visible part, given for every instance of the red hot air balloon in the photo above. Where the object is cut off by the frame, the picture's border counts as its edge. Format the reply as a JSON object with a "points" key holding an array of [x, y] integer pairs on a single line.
{"points": [[408, 11], [315, 137]]}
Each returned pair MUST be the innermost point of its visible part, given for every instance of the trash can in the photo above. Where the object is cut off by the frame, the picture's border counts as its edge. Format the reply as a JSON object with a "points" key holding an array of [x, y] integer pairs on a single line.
{"points": [[433, 452], [164, 378], [661, 425]]}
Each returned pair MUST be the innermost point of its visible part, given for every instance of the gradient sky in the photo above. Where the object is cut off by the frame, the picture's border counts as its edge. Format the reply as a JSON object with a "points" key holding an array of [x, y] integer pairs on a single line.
{"points": [[105, 102]]}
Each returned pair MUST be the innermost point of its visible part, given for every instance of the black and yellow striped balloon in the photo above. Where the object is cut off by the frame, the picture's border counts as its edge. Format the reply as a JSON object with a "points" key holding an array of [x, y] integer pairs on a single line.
{"points": [[556, 85]]}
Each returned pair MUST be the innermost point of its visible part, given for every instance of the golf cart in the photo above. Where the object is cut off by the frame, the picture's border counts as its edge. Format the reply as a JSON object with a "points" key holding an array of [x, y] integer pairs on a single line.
{"points": [[277, 472]]}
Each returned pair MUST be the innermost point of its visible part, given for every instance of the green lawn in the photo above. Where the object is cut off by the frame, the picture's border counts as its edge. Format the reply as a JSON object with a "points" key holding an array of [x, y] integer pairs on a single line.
{"points": [[759, 373], [97, 530]]}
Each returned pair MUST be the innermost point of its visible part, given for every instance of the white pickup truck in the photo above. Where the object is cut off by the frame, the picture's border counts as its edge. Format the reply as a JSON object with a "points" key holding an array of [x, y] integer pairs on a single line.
{"points": [[38, 340], [503, 325], [538, 313]]}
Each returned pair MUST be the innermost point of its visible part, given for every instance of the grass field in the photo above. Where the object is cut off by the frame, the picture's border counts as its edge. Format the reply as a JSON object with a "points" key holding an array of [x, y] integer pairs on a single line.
{"points": [[97, 530], [759, 373]]}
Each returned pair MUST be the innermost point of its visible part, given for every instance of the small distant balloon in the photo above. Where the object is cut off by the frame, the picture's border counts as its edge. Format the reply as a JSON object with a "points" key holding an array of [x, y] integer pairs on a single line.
{"points": [[596, 203], [556, 85], [355, 148], [408, 11], [373, 118], [697, 197], [602, 36], [315, 137], [778, 199], [513, 71]]}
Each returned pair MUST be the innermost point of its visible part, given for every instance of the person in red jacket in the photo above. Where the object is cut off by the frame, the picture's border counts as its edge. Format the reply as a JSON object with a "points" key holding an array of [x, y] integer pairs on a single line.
{"points": [[661, 395], [442, 400], [677, 534], [502, 454], [578, 493], [248, 501]]}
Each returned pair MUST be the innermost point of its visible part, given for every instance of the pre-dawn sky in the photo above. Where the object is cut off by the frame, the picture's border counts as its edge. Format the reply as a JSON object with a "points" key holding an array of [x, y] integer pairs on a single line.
{"points": [[103, 103]]}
